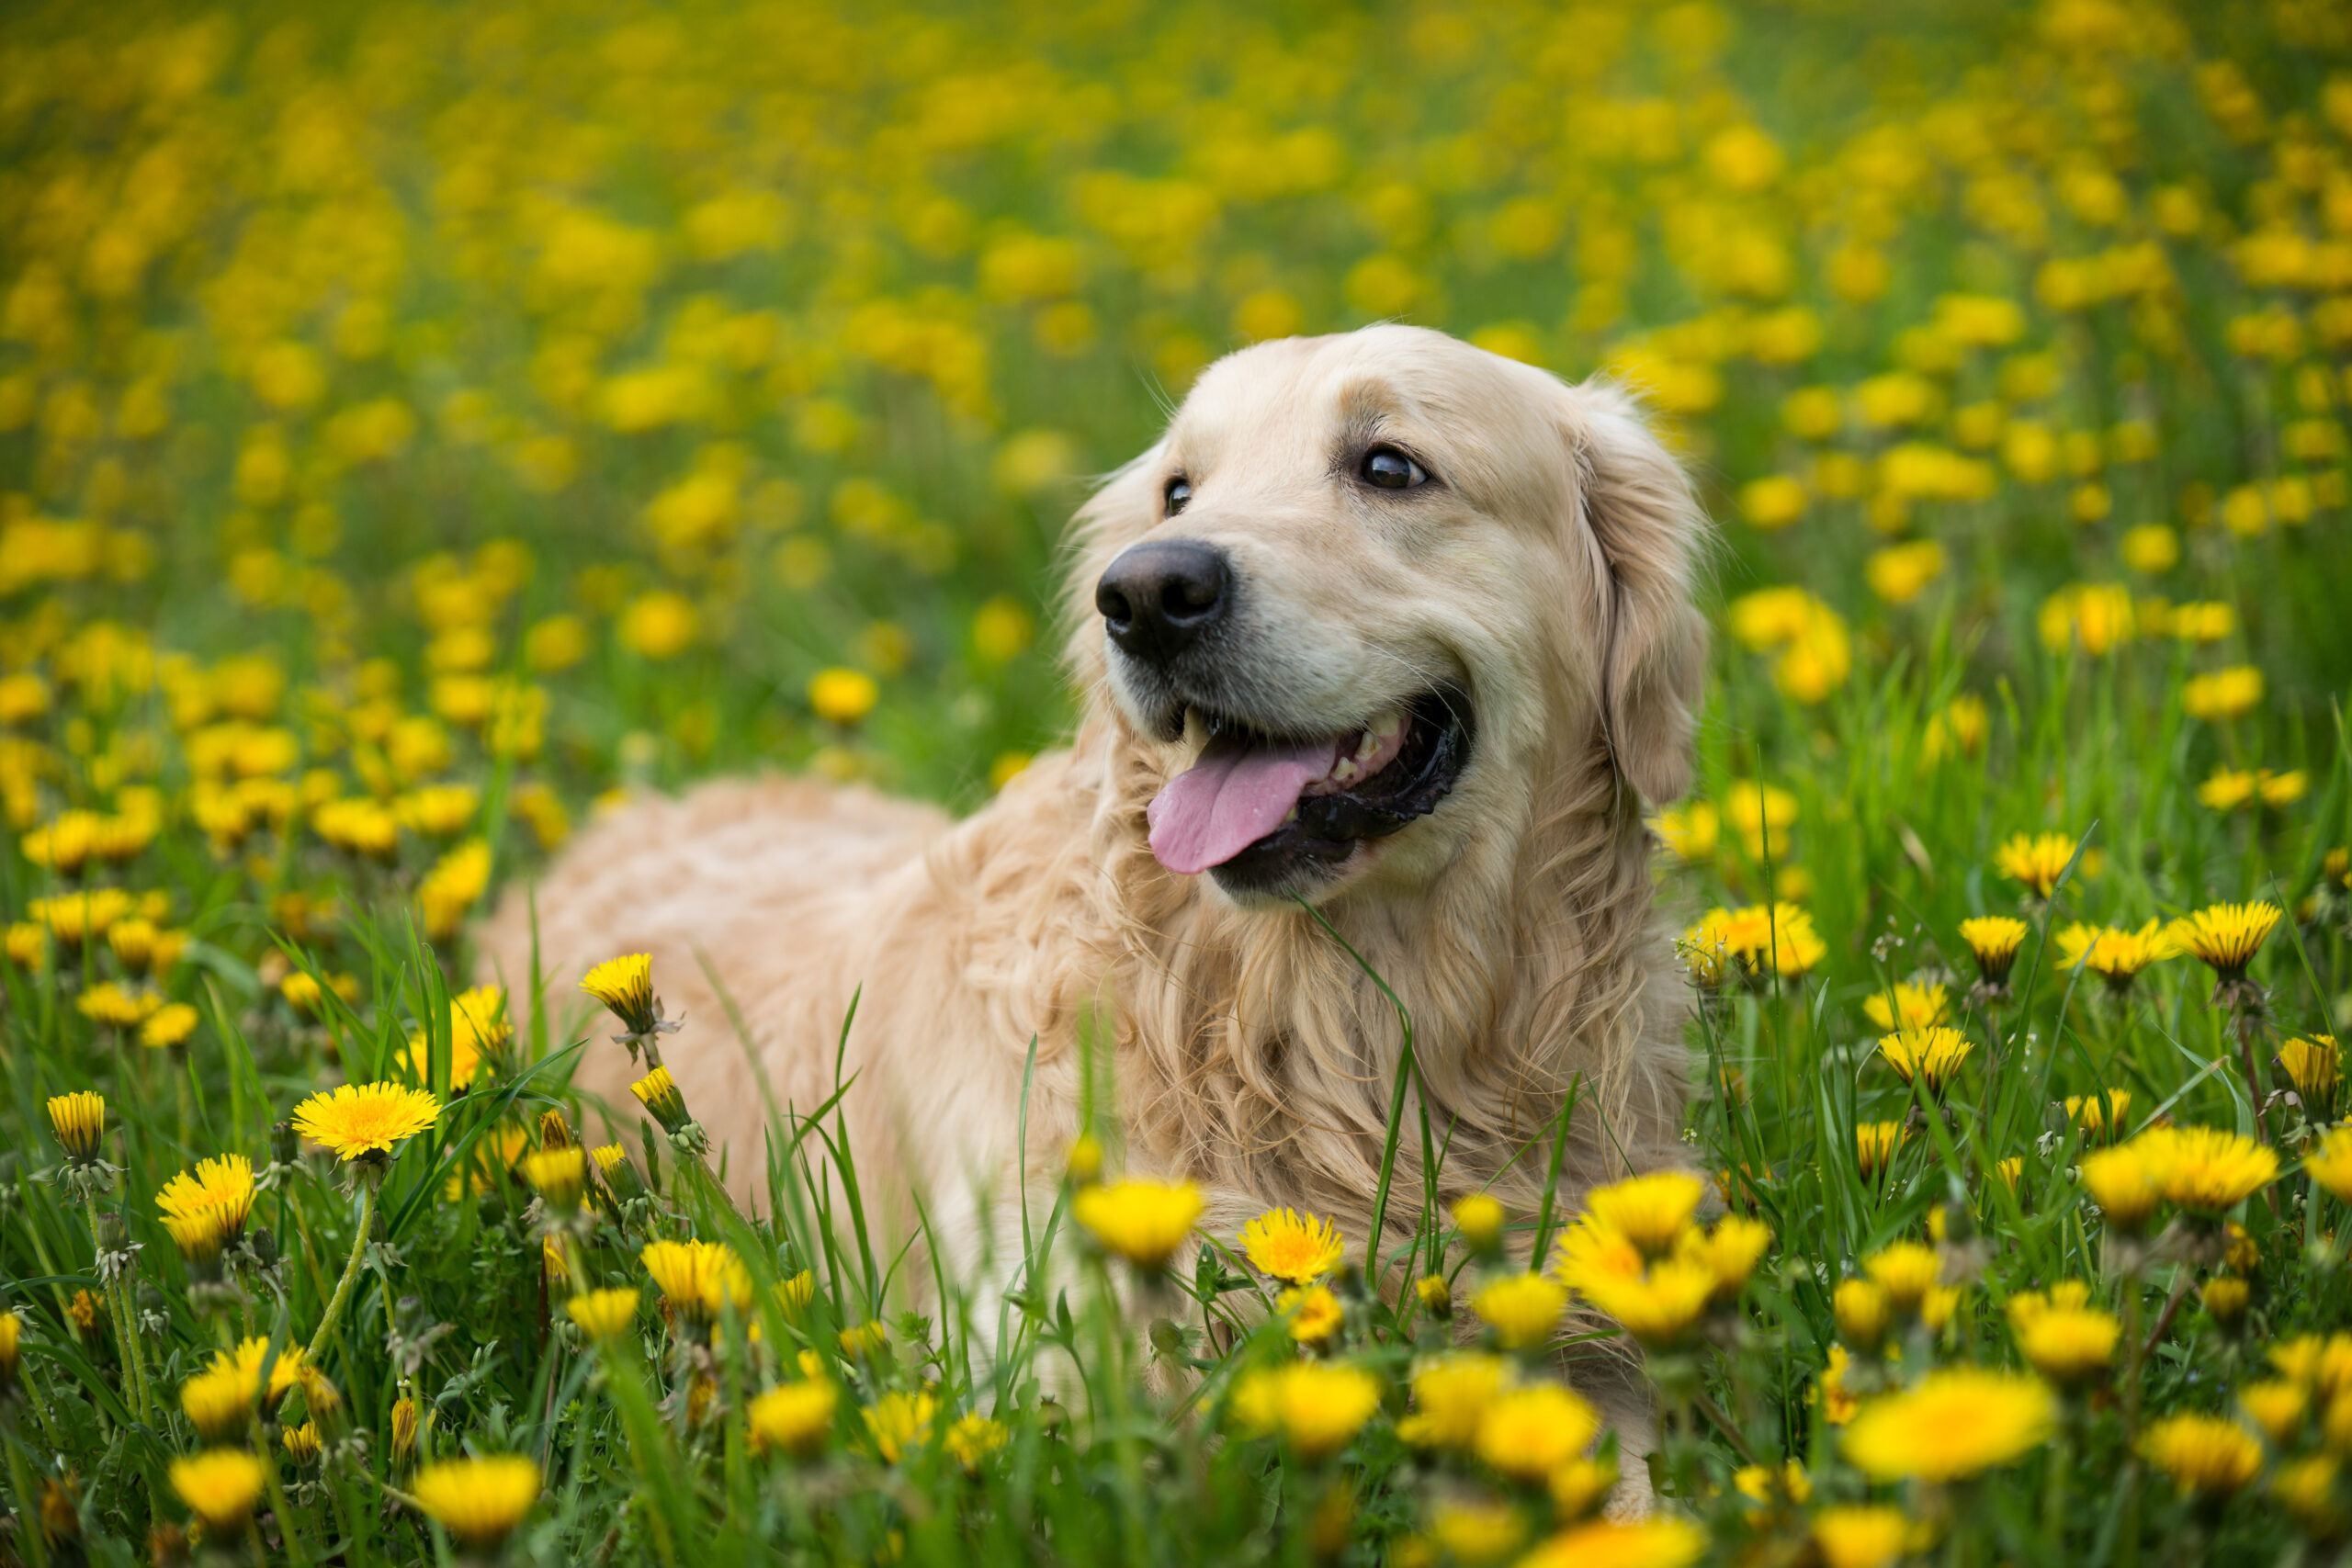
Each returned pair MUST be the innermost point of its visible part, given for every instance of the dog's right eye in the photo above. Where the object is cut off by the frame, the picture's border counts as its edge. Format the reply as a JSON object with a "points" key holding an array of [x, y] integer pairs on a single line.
{"points": [[1178, 495], [1391, 470]]}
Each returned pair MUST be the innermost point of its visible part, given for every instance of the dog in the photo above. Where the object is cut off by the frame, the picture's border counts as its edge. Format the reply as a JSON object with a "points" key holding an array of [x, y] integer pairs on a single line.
{"points": [[1384, 631]]}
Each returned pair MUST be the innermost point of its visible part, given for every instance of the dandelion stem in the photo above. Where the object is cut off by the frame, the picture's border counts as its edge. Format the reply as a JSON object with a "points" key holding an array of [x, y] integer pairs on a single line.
{"points": [[117, 1291], [350, 1272]]}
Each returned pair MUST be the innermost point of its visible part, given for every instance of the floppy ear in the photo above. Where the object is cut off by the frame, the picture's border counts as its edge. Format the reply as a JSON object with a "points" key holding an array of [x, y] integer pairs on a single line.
{"points": [[1638, 505]]}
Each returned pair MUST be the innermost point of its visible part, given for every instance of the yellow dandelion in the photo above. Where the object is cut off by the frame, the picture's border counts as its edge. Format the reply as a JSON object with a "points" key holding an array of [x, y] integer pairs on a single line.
{"points": [[2225, 1297], [79, 1120], [1649, 1543], [973, 1438], [1141, 1220], [2100, 1116], [1522, 1309], [219, 1402], [898, 1422], [558, 1176], [1660, 1307], [2308, 1489], [219, 1487], [2226, 936], [1728, 1253], [1477, 1532], [2330, 1165], [658, 1093], [603, 1314], [2061, 1336], [1316, 1407], [1292, 1246], [1995, 939], [1875, 1143], [169, 1025], [2315, 1067], [1480, 1217], [2122, 1183], [302, 1443], [2205, 1169], [626, 985], [2210, 1455], [479, 1501], [2222, 696], [360, 1119], [1528, 1433], [2114, 954], [110, 1004], [1907, 1007], [843, 696], [2276, 1407], [793, 1418], [1861, 1536], [1451, 1393], [1313, 1312], [222, 1185], [1863, 1311], [1955, 1423], [2036, 860], [698, 1279], [1651, 1212], [1930, 1056], [1907, 1272]]}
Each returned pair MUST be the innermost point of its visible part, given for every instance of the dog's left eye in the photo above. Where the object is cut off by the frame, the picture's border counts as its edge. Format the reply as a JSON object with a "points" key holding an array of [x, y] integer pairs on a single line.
{"points": [[1391, 470]]}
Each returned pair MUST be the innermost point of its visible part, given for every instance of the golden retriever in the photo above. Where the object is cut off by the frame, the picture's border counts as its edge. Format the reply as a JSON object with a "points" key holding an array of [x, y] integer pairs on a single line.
{"points": [[1383, 622]]}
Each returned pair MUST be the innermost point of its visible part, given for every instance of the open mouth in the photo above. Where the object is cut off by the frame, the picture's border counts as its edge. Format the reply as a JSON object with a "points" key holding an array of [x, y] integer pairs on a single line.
{"points": [[1260, 810]]}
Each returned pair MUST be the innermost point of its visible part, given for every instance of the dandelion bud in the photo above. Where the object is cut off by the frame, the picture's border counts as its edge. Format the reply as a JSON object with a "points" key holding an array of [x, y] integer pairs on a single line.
{"points": [[1863, 1311], [302, 1444], [554, 1132], [1480, 1218], [658, 1093], [403, 1430], [199, 1237], [2225, 1297], [12, 1330], [560, 1175], [1436, 1295], [1085, 1161], [284, 1143], [79, 1120], [61, 1511], [625, 986]]}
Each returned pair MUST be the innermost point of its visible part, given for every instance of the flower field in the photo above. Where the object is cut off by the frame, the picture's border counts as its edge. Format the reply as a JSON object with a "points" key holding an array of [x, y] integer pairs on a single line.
{"points": [[421, 425]]}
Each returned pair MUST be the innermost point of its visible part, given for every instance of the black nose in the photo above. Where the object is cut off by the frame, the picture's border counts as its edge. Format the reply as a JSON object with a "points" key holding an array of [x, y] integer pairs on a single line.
{"points": [[1160, 596]]}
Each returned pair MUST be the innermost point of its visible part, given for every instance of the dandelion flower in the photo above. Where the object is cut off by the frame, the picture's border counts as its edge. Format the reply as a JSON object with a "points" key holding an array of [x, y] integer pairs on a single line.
{"points": [[79, 1120], [2205, 1169], [1863, 1310], [2036, 860], [1292, 1246], [658, 1093], [793, 1418], [2120, 1182], [2315, 1067], [558, 1176], [479, 1501], [1316, 1405], [698, 1279], [2210, 1455], [603, 1314], [624, 986], [1651, 1210], [2225, 1297], [2330, 1165], [2100, 1116], [1728, 1252], [220, 1487], [1479, 1217], [1995, 939], [111, 1005], [1590, 1253], [219, 1402], [1522, 1309], [360, 1119], [1649, 1543], [1477, 1532], [2061, 1335], [2222, 696], [1907, 1007], [1930, 1056], [1775, 939], [1141, 1220], [2113, 953], [973, 1438], [223, 1184], [2276, 1407], [1955, 1423], [1859, 1535], [2307, 1489], [898, 1422], [169, 1025], [1529, 1432], [1907, 1272], [2226, 936], [1875, 1143], [1451, 1393], [1313, 1311], [302, 1443], [1659, 1307]]}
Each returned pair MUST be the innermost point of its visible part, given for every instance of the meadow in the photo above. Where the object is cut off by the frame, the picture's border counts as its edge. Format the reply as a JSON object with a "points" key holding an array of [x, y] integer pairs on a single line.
{"points": [[423, 424]]}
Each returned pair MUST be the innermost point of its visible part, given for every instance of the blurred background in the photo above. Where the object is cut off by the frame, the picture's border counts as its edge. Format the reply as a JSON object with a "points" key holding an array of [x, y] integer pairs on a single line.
{"points": [[634, 390]]}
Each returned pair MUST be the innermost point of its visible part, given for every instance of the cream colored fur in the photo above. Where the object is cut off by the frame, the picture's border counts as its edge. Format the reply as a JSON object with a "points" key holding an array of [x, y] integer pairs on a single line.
{"points": [[1550, 572]]}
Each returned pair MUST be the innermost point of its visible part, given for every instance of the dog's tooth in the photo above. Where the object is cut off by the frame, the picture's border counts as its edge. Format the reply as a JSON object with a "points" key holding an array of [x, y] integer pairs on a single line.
{"points": [[1390, 723], [1347, 770], [1366, 746], [1292, 814]]}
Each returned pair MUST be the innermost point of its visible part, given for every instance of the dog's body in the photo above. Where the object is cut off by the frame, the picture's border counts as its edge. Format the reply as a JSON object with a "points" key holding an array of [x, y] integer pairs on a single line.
{"points": [[1402, 551]]}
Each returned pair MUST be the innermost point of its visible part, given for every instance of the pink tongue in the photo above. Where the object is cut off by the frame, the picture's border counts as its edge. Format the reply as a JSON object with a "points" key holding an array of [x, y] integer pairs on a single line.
{"points": [[1237, 793]]}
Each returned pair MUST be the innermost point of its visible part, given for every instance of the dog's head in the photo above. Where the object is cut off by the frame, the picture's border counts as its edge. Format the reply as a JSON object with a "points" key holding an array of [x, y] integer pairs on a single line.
{"points": [[1366, 587]]}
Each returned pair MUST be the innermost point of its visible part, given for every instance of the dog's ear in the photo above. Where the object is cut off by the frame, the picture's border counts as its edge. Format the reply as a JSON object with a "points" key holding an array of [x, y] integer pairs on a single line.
{"points": [[1638, 510]]}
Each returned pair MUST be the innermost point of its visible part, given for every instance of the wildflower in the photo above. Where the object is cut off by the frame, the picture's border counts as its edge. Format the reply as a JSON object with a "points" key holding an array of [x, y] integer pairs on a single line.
{"points": [[1529, 1432], [1479, 1218], [2224, 695], [219, 1487], [658, 1093], [603, 1314], [1579, 1487], [1477, 1532], [862, 1340], [1778, 939], [2113, 953], [1875, 1143], [2037, 861], [2064, 1339], [2100, 1116], [1316, 1405], [2315, 1067], [1931, 1056], [896, 1422], [1436, 1296], [1522, 1309], [2225, 1297], [1141, 1220], [2094, 616], [699, 1279], [1659, 1307], [1292, 1246], [1907, 1007], [2204, 1169], [361, 1120], [111, 1005], [2209, 1455], [1313, 1311], [1838, 1407], [2307, 1489], [79, 1120], [1692, 831], [12, 1329], [793, 1418], [2330, 1165], [222, 1185], [558, 1176], [1863, 1310], [479, 1501], [2120, 1182], [1861, 1536], [2276, 1407], [1451, 1393], [457, 880], [1953, 1424], [1907, 1272], [625, 986], [843, 696], [1657, 1542], [2226, 936], [219, 1402], [302, 1443], [1728, 1252], [1707, 952], [168, 1026], [403, 1430], [973, 1438], [1652, 1211]]}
